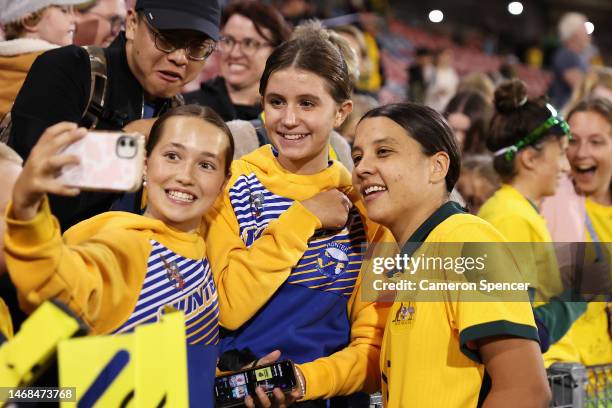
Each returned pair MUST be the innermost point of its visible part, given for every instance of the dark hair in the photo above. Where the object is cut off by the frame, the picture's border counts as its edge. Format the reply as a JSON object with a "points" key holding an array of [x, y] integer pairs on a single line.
{"points": [[479, 110], [263, 16], [314, 53], [195, 111], [428, 128], [516, 116], [597, 105]]}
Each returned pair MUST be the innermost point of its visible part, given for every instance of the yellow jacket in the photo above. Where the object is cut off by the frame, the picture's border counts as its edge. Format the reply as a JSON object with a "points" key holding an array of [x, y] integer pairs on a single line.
{"points": [[97, 268]]}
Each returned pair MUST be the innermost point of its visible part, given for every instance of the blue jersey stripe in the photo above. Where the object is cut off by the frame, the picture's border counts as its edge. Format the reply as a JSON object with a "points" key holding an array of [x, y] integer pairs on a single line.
{"points": [[183, 283], [333, 258]]}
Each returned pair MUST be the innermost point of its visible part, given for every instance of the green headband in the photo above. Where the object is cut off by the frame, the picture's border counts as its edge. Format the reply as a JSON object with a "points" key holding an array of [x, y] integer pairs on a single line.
{"points": [[554, 120]]}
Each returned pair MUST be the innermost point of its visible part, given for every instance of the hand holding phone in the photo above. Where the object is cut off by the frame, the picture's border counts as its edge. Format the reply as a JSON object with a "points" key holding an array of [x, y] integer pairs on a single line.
{"points": [[108, 161], [40, 170], [232, 389]]}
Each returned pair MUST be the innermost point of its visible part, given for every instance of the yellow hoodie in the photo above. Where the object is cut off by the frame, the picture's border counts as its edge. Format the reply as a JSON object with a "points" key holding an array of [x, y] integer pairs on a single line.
{"points": [[286, 284], [116, 270]]}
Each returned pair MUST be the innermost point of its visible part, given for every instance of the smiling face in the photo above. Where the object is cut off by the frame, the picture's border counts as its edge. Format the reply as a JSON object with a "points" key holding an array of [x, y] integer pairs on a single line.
{"points": [[300, 115], [396, 180], [185, 171], [242, 69], [57, 25], [161, 74], [590, 154]]}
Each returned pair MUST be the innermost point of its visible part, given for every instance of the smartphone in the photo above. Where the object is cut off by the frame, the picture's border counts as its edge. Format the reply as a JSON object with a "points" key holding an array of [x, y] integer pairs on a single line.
{"points": [[231, 389], [110, 161]]}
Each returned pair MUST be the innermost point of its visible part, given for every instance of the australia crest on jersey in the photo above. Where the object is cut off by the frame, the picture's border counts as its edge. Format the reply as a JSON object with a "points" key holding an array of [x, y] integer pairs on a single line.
{"points": [[405, 314]]}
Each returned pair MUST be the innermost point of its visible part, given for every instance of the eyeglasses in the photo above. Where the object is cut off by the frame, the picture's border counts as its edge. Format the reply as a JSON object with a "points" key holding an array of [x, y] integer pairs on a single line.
{"points": [[116, 22], [196, 51], [554, 120], [249, 46]]}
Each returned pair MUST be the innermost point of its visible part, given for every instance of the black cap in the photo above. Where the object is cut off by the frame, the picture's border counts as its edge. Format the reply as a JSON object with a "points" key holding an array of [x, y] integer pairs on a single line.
{"points": [[197, 15]]}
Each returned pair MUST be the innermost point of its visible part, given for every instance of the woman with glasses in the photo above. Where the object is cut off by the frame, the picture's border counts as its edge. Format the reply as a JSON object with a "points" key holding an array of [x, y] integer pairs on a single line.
{"points": [[99, 22], [529, 141], [250, 30]]}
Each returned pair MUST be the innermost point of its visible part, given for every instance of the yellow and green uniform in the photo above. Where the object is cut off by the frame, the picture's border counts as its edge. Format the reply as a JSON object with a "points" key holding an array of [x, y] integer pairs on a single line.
{"points": [[429, 356], [519, 221], [116, 271], [588, 341], [287, 284]]}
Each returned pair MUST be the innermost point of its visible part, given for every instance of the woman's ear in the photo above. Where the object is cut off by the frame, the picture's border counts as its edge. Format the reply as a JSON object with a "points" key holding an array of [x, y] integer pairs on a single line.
{"points": [[27, 23], [439, 164], [344, 109], [528, 159]]}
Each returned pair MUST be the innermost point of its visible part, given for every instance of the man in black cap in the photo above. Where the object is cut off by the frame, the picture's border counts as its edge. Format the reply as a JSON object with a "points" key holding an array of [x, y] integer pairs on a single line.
{"points": [[164, 46]]}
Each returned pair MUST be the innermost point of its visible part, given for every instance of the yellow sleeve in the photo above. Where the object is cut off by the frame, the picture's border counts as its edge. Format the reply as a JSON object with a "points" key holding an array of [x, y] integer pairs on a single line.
{"points": [[356, 367], [479, 320], [99, 279], [475, 318], [246, 278]]}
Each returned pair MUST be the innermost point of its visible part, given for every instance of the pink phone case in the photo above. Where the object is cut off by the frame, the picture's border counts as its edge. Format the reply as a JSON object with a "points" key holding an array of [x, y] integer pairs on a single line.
{"points": [[110, 161]]}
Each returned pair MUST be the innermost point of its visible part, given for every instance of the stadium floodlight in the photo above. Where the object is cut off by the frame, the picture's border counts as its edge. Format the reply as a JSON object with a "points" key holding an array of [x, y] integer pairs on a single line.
{"points": [[590, 27], [515, 8], [436, 16]]}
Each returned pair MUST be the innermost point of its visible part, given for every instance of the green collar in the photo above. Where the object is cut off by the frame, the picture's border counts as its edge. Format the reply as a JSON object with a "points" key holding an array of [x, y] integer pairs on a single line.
{"points": [[420, 235]]}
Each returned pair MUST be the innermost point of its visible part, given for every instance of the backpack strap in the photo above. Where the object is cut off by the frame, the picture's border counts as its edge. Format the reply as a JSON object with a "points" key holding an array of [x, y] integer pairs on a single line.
{"points": [[97, 93]]}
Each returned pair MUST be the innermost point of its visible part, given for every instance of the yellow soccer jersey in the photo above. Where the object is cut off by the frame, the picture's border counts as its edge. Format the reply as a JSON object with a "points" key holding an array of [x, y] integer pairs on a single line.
{"points": [[429, 358], [519, 222], [588, 341]]}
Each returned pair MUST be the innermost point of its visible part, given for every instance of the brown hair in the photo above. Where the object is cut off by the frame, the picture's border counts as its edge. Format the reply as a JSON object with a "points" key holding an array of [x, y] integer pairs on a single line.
{"points": [[16, 29], [479, 110], [597, 76], [263, 16], [597, 105], [516, 116], [195, 111], [312, 50]]}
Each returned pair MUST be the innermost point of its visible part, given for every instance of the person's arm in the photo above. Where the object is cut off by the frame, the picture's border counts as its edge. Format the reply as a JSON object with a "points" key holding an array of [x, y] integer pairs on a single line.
{"points": [[56, 89], [97, 279], [247, 277], [518, 378], [356, 367], [573, 77], [99, 276]]}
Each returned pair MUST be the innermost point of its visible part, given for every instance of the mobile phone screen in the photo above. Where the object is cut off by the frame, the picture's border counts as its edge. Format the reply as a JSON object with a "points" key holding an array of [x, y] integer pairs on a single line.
{"points": [[233, 388]]}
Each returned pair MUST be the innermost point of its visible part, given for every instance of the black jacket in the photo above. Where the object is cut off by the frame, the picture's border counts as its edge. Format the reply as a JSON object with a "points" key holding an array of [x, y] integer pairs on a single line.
{"points": [[213, 93], [57, 89]]}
